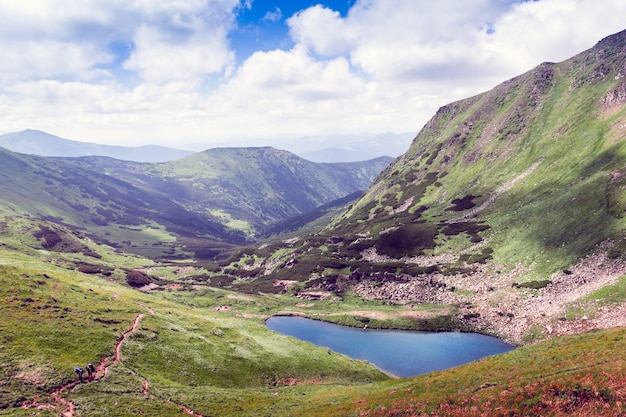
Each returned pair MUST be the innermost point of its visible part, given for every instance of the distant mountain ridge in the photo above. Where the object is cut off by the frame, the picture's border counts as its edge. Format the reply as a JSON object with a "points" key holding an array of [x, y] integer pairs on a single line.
{"points": [[338, 155], [36, 142], [332, 148], [327, 148], [258, 186], [202, 203], [349, 148]]}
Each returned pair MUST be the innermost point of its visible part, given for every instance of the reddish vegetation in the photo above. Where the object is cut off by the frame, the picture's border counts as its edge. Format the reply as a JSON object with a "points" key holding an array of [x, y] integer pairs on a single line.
{"points": [[596, 390]]}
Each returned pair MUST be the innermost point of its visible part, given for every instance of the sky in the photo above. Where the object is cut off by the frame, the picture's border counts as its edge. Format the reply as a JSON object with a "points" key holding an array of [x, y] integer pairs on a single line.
{"points": [[251, 72]]}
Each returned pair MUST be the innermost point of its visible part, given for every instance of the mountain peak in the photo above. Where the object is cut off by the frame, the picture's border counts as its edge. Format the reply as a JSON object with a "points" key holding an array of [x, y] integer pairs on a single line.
{"points": [[616, 39]]}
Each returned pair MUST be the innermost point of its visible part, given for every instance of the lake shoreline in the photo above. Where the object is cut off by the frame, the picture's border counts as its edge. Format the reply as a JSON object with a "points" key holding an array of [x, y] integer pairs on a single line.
{"points": [[446, 323], [398, 353]]}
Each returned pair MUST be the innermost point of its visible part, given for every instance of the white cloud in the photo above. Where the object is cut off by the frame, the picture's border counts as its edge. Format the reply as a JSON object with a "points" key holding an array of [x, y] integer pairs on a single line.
{"points": [[25, 60], [409, 41], [287, 91], [554, 30], [385, 66], [293, 71], [322, 30], [274, 16], [38, 40], [183, 39], [158, 58], [46, 39], [108, 113], [52, 16]]}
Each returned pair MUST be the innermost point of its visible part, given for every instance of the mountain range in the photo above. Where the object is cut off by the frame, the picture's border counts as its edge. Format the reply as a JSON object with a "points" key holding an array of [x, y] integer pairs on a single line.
{"points": [[506, 216], [332, 148], [219, 196], [36, 142]]}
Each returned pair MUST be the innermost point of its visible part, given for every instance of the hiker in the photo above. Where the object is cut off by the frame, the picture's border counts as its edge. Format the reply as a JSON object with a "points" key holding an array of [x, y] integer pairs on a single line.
{"points": [[91, 371], [79, 371]]}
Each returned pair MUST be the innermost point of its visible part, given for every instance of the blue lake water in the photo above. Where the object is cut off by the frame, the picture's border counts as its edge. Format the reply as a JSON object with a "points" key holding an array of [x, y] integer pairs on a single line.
{"points": [[402, 353]]}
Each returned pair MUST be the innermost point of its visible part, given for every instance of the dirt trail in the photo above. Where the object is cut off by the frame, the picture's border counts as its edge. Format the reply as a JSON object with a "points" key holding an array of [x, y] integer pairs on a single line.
{"points": [[187, 410], [68, 405], [101, 371], [118, 346], [146, 387], [149, 309]]}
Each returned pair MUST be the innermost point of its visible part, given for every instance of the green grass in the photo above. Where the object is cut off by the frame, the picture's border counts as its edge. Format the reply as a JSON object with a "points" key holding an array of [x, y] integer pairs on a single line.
{"points": [[50, 325], [221, 363], [577, 375], [611, 294], [53, 320]]}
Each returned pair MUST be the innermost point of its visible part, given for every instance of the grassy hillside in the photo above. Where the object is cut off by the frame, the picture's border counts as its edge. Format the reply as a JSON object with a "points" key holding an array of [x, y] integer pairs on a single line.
{"points": [[536, 160], [54, 319], [511, 194], [195, 207], [185, 356], [247, 189]]}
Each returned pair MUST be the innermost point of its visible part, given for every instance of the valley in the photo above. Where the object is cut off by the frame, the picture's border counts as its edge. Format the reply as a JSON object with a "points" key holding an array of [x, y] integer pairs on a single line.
{"points": [[506, 216], [199, 205]]}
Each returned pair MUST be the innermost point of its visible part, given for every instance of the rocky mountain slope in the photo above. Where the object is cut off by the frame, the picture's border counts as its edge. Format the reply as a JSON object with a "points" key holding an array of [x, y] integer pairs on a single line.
{"points": [[198, 205], [508, 205]]}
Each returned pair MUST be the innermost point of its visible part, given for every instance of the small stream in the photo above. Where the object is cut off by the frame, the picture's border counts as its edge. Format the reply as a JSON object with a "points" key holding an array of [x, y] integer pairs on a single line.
{"points": [[399, 352]]}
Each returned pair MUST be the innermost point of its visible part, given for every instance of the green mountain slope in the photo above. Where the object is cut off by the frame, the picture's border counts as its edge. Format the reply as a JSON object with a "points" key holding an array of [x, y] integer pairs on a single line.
{"points": [[249, 188], [197, 206], [511, 194], [538, 159], [108, 209], [180, 352]]}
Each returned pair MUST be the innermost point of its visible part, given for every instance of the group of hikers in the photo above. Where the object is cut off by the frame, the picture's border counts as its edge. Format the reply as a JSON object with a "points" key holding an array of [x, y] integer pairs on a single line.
{"points": [[91, 372]]}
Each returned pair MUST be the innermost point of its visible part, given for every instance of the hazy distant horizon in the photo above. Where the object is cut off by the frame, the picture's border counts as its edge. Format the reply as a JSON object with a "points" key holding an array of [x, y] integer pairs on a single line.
{"points": [[332, 148]]}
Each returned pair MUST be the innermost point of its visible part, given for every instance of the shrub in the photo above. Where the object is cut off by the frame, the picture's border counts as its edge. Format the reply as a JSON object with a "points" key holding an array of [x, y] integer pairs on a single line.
{"points": [[534, 285], [137, 279], [89, 269], [221, 280], [408, 240], [49, 236], [461, 204]]}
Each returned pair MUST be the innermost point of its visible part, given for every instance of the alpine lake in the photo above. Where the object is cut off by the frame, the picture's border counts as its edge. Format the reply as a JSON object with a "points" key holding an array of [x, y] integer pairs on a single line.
{"points": [[397, 352]]}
